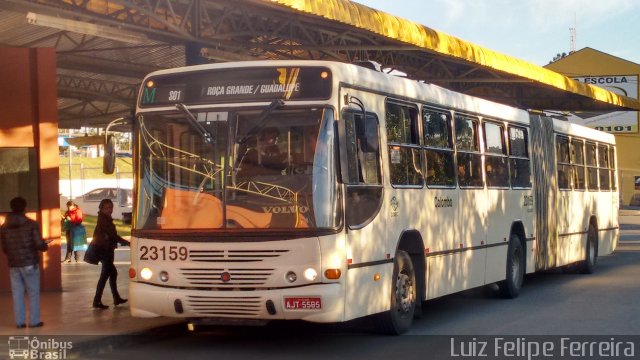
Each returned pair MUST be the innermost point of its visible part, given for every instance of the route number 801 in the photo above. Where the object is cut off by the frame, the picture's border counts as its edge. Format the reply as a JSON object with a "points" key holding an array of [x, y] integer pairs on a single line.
{"points": [[175, 95], [164, 253]]}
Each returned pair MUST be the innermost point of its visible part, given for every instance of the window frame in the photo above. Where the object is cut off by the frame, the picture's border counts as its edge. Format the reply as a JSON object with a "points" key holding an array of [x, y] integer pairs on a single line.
{"points": [[474, 154], [344, 160], [606, 169], [18, 182], [448, 151], [493, 155], [590, 167], [565, 164], [576, 165], [613, 174], [345, 178], [413, 147], [526, 158]]}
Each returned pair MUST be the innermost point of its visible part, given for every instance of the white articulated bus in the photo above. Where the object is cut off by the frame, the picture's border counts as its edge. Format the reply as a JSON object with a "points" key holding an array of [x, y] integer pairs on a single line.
{"points": [[326, 192]]}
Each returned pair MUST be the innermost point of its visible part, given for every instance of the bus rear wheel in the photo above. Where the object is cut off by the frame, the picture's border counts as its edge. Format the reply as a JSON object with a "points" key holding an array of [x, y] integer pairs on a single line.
{"points": [[510, 287], [588, 265], [403, 297]]}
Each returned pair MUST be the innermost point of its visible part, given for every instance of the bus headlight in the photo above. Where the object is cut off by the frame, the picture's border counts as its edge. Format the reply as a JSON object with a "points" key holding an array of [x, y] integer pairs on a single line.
{"points": [[310, 274], [146, 273], [164, 276]]}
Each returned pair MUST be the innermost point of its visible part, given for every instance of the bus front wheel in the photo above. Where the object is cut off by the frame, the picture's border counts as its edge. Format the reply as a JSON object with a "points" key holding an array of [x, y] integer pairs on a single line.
{"points": [[403, 297], [510, 287]]}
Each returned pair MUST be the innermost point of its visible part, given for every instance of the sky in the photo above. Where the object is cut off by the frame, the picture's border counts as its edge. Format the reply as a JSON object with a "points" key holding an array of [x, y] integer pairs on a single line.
{"points": [[531, 30]]}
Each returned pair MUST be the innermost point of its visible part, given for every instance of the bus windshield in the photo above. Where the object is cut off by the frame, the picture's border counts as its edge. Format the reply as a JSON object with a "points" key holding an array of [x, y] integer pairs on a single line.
{"points": [[269, 168]]}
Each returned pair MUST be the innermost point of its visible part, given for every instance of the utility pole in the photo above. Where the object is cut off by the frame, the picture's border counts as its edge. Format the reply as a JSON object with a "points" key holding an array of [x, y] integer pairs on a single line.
{"points": [[572, 36]]}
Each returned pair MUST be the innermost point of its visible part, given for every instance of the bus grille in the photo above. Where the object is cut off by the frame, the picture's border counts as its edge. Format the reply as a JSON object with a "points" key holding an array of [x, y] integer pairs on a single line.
{"points": [[234, 255], [235, 277], [235, 306]]}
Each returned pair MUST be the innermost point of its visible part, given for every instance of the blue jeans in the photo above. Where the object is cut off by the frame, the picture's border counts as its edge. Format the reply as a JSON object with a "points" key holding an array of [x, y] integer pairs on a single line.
{"points": [[26, 278]]}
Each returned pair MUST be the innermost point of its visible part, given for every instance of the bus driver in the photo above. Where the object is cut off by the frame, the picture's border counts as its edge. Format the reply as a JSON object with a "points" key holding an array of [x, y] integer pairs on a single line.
{"points": [[265, 157]]}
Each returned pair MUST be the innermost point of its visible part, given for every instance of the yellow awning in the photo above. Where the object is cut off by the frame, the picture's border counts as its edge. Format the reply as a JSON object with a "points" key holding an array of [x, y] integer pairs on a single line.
{"points": [[427, 39]]}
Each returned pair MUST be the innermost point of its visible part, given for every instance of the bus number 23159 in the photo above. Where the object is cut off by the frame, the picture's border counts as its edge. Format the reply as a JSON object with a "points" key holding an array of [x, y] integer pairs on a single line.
{"points": [[164, 253]]}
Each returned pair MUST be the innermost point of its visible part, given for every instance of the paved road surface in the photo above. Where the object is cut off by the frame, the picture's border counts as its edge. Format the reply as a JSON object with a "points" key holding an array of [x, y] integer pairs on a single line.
{"points": [[554, 303]]}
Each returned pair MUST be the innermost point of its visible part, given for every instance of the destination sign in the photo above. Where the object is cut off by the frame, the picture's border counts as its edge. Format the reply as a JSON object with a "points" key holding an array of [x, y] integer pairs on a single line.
{"points": [[237, 85]]}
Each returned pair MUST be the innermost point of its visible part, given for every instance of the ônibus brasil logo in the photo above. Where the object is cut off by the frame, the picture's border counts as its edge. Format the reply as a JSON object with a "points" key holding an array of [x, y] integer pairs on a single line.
{"points": [[28, 348]]}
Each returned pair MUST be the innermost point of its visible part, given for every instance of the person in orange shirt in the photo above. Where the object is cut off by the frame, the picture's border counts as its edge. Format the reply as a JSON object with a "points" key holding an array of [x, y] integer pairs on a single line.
{"points": [[72, 217]]}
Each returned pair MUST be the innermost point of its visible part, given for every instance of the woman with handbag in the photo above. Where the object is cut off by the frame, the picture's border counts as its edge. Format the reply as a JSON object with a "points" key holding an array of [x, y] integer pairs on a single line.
{"points": [[105, 240]]}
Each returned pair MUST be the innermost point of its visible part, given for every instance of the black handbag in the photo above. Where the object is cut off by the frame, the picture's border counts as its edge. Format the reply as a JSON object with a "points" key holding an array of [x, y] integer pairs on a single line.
{"points": [[91, 256]]}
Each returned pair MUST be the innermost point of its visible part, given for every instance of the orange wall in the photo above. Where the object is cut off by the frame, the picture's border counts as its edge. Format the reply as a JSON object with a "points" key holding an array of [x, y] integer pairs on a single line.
{"points": [[28, 118]]}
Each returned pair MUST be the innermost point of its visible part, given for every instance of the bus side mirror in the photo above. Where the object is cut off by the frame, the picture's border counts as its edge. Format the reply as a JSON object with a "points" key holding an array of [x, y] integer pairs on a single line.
{"points": [[109, 160]]}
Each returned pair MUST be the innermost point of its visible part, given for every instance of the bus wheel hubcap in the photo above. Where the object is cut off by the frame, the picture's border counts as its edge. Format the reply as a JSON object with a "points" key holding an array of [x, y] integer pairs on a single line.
{"points": [[404, 293], [515, 267]]}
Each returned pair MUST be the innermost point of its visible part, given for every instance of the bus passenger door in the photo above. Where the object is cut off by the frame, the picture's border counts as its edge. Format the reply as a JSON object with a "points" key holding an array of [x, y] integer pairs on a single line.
{"points": [[360, 173]]}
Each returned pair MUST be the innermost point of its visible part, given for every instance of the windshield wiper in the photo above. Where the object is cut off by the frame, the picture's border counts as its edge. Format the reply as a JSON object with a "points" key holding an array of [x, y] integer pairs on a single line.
{"points": [[275, 104], [206, 135]]}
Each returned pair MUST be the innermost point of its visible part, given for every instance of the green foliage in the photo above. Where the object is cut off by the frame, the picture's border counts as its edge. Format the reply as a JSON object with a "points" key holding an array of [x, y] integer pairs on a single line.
{"points": [[91, 168]]}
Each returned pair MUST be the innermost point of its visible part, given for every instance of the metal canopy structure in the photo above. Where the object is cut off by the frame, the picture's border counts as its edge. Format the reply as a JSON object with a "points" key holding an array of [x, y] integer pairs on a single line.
{"points": [[105, 47]]}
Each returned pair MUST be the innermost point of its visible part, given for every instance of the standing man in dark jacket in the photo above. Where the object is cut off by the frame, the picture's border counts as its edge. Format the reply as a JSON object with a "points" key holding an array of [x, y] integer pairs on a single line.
{"points": [[22, 242]]}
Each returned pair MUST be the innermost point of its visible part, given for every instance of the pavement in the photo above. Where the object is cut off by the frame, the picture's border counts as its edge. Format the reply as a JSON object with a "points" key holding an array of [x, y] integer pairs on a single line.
{"points": [[629, 219], [69, 313]]}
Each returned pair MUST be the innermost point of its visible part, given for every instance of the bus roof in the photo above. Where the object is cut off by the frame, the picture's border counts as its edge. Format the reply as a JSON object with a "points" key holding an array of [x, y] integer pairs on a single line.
{"points": [[355, 76], [567, 128], [394, 86]]}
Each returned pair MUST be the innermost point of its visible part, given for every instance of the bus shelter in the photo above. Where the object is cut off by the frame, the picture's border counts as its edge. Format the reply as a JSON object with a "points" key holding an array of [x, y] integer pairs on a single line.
{"points": [[102, 49]]}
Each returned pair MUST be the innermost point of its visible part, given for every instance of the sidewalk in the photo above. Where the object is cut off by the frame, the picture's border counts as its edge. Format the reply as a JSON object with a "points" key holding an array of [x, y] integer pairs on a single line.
{"points": [[629, 211], [70, 312], [629, 225]]}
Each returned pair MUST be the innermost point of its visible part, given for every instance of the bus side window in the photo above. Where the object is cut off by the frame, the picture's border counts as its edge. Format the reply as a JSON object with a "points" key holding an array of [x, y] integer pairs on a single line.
{"points": [[496, 167], [577, 159], [405, 159], [438, 142], [603, 165], [469, 157], [564, 167], [520, 165], [360, 166], [592, 166], [612, 166]]}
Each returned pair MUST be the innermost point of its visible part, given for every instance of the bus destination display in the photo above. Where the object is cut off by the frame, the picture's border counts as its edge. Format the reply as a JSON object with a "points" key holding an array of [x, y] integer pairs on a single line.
{"points": [[238, 85]]}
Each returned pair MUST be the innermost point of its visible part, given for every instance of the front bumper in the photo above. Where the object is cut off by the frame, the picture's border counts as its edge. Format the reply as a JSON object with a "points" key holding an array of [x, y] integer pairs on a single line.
{"points": [[151, 301]]}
